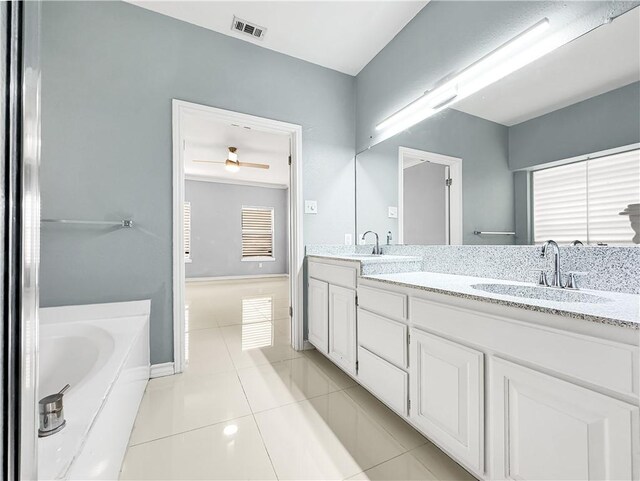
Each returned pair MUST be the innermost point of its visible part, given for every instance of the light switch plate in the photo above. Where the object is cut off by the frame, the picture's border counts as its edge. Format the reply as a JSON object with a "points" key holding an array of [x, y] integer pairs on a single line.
{"points": [[348, 240], [310, 207], [393, 212]]}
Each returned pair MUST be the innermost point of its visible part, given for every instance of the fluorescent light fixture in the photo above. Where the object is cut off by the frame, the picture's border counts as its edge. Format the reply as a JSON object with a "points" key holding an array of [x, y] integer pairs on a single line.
{"points": [[508, 58]]}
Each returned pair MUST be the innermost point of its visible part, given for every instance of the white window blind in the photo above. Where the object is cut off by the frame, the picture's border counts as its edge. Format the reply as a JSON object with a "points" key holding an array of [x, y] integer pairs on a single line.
{"points": [[187, 230], [257, 232], [581, 201]]}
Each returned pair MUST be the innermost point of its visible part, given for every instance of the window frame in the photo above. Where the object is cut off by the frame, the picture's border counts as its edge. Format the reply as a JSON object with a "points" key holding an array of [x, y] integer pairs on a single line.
{"points": [[583, 159], [270, 258], [186, 231]]}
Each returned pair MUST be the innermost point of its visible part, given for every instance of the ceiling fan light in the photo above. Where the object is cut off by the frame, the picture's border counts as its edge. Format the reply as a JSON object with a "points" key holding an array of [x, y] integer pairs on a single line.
{"points": [[231, 166]]}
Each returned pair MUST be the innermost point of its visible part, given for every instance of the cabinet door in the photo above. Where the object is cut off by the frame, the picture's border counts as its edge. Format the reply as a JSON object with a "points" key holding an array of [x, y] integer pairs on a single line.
{"points": [[318, 315], [342, 327], [547, 428], [446, 383]]}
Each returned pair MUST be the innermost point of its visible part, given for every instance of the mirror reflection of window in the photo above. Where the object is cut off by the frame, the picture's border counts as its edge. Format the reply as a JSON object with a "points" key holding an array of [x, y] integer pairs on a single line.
{"points": [[584, 200]]}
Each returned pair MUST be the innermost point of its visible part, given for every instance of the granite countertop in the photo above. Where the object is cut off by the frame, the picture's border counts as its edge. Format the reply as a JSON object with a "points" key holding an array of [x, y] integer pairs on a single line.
{"points": [[367, 258], [604, 307]]}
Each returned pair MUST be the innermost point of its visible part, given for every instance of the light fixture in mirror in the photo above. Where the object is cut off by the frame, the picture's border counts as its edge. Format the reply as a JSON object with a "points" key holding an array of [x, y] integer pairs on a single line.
{"points": [[579, 102], [513, 55]]}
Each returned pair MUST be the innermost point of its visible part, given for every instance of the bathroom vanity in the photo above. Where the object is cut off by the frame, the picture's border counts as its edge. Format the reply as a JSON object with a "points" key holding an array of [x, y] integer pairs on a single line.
{"points": [[513, 381]]}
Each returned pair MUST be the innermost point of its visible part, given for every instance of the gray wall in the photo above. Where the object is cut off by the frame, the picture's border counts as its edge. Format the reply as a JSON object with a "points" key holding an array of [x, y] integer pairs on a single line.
{"points": [[425, 219], [487, 189], [446, 36], [216, 229], [110, 70], [603, 122]]}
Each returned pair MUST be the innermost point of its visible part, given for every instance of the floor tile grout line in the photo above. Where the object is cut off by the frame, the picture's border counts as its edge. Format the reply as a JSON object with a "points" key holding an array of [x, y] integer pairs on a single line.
{"points": [[266, 448], [363, 407], [188, 431], [253, 415]]}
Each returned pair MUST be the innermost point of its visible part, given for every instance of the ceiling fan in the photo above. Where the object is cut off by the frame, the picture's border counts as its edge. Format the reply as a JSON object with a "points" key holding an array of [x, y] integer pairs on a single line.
{"points": [[232, 164]]}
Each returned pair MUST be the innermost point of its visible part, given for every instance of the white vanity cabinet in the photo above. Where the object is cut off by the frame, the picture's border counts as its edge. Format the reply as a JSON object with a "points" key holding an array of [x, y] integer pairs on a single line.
{"points": [[509, 393], [318, 302], [332, 312], [546, 428], [383, 346], [447, 394], [342, 327]]}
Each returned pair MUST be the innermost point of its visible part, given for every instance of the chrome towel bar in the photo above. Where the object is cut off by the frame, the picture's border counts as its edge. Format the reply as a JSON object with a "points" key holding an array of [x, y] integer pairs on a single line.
{"points": [[482, 232], [119, 223]]}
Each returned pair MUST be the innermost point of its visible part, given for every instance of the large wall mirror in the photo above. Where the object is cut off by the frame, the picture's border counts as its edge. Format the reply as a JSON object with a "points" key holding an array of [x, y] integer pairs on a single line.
{"points": [[550, 151]]}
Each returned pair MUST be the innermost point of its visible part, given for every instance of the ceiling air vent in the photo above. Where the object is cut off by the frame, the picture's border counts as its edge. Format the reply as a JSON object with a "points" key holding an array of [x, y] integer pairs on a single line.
{"points": [[248, 28]]}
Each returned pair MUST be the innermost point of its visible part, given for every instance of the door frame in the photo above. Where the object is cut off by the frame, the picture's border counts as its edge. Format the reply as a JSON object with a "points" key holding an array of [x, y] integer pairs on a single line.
{"points": [[455, 190], [296, 245]]}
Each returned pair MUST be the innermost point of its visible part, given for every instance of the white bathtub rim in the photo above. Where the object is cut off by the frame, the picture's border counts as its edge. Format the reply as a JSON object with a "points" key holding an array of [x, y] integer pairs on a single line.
{"points": [[94, 312], [71, 440]]}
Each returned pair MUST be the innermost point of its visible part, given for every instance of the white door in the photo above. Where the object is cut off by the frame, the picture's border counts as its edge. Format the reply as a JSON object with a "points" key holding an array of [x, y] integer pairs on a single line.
{"points": [[342, 327], [318, 315], [425, 203], [546, 428], [446, 382]]}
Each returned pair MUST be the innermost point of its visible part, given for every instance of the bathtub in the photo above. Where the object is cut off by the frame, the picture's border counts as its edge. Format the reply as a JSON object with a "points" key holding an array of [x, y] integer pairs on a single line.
{"points": [[102, 351]]}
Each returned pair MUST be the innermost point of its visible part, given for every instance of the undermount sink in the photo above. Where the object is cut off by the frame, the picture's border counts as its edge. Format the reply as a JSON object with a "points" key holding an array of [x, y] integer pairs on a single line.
{"points": [[542, 293]]}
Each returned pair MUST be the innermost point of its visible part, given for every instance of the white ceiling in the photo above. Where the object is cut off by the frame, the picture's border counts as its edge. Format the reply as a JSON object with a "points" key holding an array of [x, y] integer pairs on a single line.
{"points": [[207, 139], [602, 60], [341, 35]]}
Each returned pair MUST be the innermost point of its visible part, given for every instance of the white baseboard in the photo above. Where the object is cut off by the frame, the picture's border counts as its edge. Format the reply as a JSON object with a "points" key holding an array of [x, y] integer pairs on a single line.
{"points": [[161, 370], [236, 278]]}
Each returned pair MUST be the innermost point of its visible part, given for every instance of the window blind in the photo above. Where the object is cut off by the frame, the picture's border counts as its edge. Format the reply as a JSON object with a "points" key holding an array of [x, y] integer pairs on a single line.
{"points": [[257, 232], [187, 230], [581, 201]]}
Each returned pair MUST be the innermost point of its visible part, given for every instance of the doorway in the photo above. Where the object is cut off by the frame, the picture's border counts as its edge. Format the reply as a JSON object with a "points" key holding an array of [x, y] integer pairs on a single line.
{"points": [[255, 257], [429, 198]]}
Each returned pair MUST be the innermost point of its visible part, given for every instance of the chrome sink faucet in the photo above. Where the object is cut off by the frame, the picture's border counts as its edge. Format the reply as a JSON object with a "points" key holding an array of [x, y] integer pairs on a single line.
{"points": [[376, 248], [556, 280]]}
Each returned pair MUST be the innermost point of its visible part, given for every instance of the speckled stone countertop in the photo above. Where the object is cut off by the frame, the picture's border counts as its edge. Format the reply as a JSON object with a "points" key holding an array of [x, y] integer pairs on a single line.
{"points": [[614, 308], [367, 258], [369, 264]]}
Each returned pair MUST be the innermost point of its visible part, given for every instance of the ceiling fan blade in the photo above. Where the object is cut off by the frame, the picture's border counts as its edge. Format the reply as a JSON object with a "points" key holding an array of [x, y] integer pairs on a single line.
{"points": [[255, 166], [210, 161]]}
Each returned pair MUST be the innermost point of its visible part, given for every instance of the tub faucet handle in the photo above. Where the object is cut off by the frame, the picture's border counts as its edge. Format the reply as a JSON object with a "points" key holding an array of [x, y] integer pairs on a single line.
{"points": [[51, 413]]}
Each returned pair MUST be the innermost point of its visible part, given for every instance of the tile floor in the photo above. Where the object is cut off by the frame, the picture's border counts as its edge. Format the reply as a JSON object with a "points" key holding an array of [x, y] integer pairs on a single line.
{"points": [[250, 407]]}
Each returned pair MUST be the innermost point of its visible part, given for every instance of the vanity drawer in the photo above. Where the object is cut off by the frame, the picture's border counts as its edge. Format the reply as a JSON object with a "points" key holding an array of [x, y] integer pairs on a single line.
{"points": [[388, 304], [386, 381], [384, 337], [336, 275], [606, 364]]}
